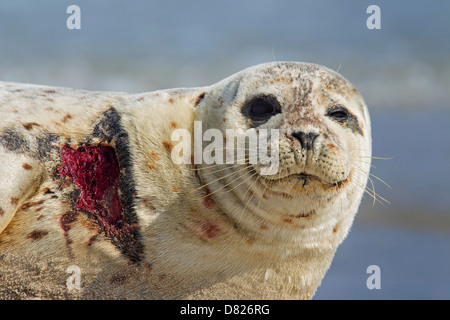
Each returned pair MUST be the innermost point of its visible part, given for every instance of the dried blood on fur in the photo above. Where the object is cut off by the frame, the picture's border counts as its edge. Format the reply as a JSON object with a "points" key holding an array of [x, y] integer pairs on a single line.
{"points": [[95, 171]]}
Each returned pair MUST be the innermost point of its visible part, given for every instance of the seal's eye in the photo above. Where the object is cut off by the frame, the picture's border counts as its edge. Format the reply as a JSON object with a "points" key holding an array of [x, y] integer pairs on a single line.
{"points": [[261, 109], [338, 112]]}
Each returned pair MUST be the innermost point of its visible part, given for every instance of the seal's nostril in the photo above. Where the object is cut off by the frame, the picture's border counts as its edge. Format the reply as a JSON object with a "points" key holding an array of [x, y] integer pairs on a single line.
{"points": [[306, 140], [301, 137]]}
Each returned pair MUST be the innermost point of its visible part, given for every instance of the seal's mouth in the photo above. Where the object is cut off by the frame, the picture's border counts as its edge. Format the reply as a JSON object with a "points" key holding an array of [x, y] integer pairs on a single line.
{"points": [[305, 179]]}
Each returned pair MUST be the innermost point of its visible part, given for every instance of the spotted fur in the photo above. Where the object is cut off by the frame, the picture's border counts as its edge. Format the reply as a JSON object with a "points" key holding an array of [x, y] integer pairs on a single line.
{"points": [[160, 230]]}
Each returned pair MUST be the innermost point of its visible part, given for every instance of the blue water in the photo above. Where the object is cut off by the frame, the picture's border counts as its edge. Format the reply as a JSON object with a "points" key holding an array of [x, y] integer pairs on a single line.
{"points": [[418, 144], [402, 70], [413, 265]]}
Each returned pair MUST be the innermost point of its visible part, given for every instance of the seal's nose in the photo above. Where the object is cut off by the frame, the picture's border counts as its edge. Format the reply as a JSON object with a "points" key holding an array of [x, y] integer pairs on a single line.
{"points": [[306, 140]]}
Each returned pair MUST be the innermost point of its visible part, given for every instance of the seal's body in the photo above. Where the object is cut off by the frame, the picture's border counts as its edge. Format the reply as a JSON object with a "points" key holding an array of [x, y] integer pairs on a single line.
{"points": [[88, 180]]}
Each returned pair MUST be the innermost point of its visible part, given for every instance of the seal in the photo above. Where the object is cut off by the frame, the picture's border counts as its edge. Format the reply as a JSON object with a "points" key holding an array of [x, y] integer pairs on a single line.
{"points": [[89, 183]]}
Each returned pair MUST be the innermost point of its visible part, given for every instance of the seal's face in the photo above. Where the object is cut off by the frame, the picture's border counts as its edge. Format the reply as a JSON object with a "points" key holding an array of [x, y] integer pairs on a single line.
{"points": [[321, 118], [324, 143]]}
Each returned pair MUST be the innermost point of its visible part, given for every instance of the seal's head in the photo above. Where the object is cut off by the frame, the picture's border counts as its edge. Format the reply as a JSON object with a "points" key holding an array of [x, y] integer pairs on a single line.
{"points": [[323, 145]]}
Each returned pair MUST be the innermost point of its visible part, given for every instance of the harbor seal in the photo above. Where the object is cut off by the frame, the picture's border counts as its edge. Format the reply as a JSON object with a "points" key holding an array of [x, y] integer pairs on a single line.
{"points": [[93, 205]]}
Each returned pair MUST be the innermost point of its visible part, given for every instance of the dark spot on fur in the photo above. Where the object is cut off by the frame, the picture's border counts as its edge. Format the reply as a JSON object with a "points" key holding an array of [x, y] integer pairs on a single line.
{"points": [[168, 146], [153, 156], [92, 240], [173, 125], [200, 98], [37, 235], [123, 228], [2, 212], [50, 91], [48, 191], [28, 205], [353, 124], [117, 279], [67, 219], [208, 202], [65, 222], [148, 203], [29, 125], [14, 141], [14, 201], [66, 118], [336, 228], [109, 126], [148, 266], [26, 166], [306, 215], [287, 196], [161, 277], [46, 145]]}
